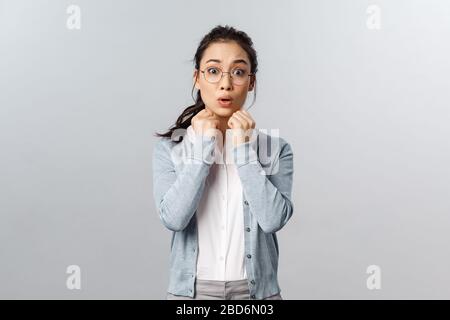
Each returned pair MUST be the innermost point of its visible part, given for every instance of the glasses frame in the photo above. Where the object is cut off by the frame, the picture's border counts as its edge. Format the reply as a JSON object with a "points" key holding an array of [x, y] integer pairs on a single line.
{"points": [[221, 76]]}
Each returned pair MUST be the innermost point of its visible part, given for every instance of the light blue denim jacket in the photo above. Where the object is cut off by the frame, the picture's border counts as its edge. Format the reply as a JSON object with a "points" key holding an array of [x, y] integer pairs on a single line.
{"points": [[179, 176]]}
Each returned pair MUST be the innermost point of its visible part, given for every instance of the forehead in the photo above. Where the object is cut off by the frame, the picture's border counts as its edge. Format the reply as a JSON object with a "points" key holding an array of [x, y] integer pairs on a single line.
{"points": [[225, 52]]}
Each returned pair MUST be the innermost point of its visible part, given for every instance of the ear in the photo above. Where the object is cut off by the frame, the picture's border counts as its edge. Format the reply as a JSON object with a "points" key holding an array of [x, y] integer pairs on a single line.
{"points": [[195, 79], [252, 83]]}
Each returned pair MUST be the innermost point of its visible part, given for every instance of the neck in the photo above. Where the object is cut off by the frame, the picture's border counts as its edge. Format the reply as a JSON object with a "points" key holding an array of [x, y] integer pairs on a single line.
{"points": [[223, 126]]}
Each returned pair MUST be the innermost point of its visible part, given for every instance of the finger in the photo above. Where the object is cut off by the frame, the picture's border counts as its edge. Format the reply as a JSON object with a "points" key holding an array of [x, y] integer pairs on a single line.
{"points": [[245, 112], [214, 115], [211, 115], [203, 113], [241, 119], [233, 122], [248, 118]]}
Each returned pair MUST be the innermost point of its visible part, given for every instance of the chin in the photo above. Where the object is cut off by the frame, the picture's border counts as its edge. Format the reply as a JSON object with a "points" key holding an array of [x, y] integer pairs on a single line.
{"points": [[225, 112]]}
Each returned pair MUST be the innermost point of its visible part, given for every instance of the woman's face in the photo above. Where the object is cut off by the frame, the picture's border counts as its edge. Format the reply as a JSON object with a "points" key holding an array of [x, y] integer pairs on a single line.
{"points": [[226, 56]]}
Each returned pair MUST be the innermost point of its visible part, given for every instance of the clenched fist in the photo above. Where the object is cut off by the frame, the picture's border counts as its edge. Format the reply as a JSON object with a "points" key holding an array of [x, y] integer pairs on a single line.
{"points": [[205, 123], [241, 124]]}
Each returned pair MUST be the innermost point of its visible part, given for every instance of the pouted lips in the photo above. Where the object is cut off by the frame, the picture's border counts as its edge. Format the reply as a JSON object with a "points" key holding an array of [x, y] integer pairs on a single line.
{"points": [[225, 101]]}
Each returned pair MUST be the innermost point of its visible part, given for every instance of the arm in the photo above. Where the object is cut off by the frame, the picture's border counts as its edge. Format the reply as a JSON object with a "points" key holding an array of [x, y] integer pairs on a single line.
{"points": [[269, 196], [177, 194]]}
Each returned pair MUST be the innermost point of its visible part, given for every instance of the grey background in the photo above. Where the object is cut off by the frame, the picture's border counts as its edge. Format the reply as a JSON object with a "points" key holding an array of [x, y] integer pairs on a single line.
{"points": [[366, 112]]}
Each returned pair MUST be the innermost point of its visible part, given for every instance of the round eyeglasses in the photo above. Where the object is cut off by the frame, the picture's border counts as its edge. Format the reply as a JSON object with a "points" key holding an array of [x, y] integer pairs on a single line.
{"points": [[238, 76]]}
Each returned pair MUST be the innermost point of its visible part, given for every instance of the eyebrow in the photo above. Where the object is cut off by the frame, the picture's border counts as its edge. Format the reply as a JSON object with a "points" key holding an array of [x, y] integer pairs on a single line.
{"points": [[235, 61]]}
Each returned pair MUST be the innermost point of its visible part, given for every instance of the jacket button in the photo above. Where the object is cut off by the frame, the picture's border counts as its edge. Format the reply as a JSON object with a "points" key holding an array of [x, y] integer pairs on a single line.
{"points": [[252, 282], [253, 296], [247, 229], [246, 203], [249, 256]]}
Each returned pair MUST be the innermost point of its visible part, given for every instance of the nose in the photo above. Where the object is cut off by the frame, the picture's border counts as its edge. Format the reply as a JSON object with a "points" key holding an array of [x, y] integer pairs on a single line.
{"points": [[225, 82]]}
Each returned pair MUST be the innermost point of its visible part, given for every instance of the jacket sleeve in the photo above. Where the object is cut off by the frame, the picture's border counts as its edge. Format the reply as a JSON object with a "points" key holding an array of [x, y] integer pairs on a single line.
{"points": [[268, 195], [177, 194]]}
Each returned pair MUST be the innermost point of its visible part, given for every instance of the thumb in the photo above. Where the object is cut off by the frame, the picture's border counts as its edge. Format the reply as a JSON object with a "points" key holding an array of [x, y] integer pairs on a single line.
{"points": [[209, 112], [230, 123]]}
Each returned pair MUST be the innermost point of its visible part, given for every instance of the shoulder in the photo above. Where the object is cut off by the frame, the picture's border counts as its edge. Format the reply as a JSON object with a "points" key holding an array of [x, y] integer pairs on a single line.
{"points": [[164, 146]]}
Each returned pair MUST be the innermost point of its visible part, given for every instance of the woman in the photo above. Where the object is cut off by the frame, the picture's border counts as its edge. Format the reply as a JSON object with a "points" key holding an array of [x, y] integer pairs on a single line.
{"points": [[223, 198]]}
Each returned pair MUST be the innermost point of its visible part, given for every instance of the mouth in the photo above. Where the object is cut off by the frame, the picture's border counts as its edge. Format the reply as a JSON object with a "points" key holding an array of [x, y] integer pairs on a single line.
{"points": [[225, 102]]}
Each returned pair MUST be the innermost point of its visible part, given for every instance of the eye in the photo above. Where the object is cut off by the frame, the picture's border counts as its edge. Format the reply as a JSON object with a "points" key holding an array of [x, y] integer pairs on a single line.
{"points": [[239, 72], [213, 70]]}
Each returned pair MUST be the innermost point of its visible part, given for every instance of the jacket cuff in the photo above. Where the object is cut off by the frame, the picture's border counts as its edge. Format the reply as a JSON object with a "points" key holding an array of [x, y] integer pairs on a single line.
{"points": [[203, 149], [245, 153]]}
